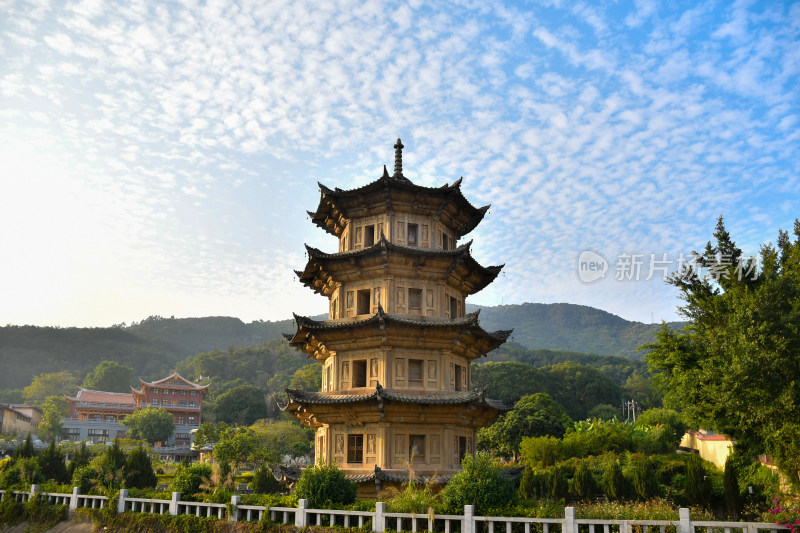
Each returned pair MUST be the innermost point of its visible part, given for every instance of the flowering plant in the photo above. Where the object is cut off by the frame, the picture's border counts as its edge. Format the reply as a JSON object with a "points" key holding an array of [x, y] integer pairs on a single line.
{"points": [[786, 512]]}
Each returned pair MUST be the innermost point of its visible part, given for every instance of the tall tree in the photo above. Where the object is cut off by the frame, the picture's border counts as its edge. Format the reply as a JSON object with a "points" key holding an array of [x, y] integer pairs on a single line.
{"points": [[536, 415], [734, 367], [50, 384], [52, 465], [150, 424], [241, 405], [110, 376], [54, 410], [139, 470]]}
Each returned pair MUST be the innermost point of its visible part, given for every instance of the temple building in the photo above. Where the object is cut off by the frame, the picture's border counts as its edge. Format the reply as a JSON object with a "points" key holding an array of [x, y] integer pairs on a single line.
{"points": [[96, 415], [397, 346]]}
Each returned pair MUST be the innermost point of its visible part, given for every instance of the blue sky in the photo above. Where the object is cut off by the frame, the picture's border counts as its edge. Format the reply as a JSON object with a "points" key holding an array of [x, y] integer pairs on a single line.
{"points": [[160, 158]]}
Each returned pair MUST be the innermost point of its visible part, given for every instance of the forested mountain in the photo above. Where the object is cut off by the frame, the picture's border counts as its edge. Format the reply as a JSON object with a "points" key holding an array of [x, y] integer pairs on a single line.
{"points": [[544, 334], [576, 328]]}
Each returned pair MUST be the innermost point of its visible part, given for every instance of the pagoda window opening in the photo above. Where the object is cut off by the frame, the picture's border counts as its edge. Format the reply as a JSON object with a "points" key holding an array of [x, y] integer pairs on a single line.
{"points": [[363, 302], [453, 307], [369, 236], [415, 367], [460, 381], [445, 241], [416, 448], [335, 308], [415, 299], [360, 373], [462, 448], [411, 234], [355, 448]]}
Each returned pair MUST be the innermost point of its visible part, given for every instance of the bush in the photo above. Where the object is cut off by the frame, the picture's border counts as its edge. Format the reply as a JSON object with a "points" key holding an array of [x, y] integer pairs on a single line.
{"points": [[478, 484], [263, 482], [613, 482], [698, 488], [83, 478], [643, 478], [583, 484], [324, 485], [188, 479], [139, 470]]}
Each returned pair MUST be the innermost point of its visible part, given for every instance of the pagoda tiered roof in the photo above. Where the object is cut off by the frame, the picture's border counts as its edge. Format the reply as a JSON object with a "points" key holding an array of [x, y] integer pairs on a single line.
{"points": [[461, 336], [379, 404], [457, 267], [447, 203]]}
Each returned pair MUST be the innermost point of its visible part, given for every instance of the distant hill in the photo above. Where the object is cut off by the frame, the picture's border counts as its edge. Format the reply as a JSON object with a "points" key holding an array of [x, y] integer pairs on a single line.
{"points": [[570, 327], [155, 346]]}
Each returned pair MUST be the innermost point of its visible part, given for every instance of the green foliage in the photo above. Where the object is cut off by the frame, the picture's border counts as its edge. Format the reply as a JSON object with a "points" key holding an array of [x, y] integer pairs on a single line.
{"points": [[734, 368], [274, 440], [139, 472], [80, 458], [671, 420], [605, 411], [84, 478], [26, 449], [479, 483], [413, 497], [50, 384], [187, 479], [533, 416], [540, 451], [324, 485], [642, 476], [52, 465], [308, 378], [613, 482], [39, 514], [110, 376], [557, 484], [55, 408], [583, 483], [731, 482], [236, 445], [209, 433], [264, 482], [242, 405], [150, 424], [640, 387], [698, 488], [9, 474]]}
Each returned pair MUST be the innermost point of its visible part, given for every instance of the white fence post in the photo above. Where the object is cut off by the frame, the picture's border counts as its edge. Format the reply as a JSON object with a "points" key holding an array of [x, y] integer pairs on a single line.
{"points": [[173, 504], [469, 519], [569, 520], [123, 495], [73, 502], [235, 501], [379, 522], [685, 525], [34, 490], [300, 514]]}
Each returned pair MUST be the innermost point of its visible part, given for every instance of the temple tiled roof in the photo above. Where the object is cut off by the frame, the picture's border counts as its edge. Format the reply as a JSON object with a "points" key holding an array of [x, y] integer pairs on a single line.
{"points": [[116, 398], [475, 396], [336, 206], [324, 270], [317, 337]]}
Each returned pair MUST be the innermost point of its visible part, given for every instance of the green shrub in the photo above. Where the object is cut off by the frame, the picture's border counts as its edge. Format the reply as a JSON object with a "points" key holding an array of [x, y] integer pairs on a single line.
{"points": [[188, 479], [643, 479], [613, 482], [478, 484], [583, 484], [52, 465], [557, 484], [323, 485], [413, 498], [540, 451], [139, 470], [263, 482], [698, 488], [9, 475], [83, 478]]}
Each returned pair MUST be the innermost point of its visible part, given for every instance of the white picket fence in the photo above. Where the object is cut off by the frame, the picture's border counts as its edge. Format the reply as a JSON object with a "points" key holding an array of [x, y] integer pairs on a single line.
{"points": [[381, 521]]}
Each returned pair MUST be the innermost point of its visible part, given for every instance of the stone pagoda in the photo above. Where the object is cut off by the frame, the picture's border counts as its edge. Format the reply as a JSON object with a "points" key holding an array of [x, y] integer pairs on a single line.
{"points": [[397, 346]]}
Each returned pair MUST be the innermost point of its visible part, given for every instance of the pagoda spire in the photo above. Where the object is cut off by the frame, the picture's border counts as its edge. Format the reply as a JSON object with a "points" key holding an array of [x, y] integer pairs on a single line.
{"points": [[398, 159]]}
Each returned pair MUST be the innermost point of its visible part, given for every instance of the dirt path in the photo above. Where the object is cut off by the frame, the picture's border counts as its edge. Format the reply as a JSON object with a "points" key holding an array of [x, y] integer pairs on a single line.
{"points": [[67, 526]]}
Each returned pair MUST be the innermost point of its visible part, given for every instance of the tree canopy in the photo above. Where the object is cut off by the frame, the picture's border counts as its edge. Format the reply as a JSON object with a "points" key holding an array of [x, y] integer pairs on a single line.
{"points": [[50, 384], [150, 424], [735, 368], [241, 405], [110, 376]]}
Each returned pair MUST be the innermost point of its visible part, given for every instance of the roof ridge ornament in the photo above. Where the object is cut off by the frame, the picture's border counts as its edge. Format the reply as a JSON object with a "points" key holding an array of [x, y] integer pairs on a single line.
{"points": [[398, 159]]}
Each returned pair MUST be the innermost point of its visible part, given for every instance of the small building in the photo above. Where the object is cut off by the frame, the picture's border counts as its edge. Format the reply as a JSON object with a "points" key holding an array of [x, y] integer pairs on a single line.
{"points": [[710, 446], [17, 419], [97, 415]]}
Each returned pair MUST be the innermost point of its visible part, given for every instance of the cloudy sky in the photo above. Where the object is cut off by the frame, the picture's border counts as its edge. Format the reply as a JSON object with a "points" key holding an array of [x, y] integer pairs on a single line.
{"points": [[159, 158]]}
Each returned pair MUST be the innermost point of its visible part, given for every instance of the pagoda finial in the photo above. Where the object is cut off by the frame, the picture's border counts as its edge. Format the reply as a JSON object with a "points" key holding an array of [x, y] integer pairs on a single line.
{"points": [[385, 172], [398, 159]]}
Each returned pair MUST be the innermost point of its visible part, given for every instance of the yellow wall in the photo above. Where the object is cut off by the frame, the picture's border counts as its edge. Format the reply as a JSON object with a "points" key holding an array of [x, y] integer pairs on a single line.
{"points": [[712, 448]]}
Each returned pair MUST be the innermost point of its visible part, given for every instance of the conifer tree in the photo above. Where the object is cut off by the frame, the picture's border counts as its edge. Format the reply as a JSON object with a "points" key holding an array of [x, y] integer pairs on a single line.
{"points": [[52, 465], [139, 472], [26, 449]]}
